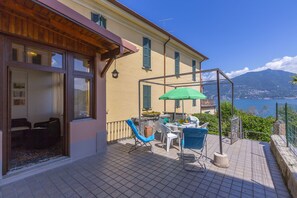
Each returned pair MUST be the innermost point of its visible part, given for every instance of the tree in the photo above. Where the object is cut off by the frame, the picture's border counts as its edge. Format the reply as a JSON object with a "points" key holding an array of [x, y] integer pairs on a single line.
{"points": [[294, 80]]}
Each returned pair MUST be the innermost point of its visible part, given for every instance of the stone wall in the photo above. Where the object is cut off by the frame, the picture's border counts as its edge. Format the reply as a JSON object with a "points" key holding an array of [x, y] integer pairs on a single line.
{"points": [[287, 162]]}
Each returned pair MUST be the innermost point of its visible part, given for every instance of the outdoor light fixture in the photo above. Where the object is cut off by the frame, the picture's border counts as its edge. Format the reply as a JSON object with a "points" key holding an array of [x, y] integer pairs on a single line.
{"points": [[115, 73]]}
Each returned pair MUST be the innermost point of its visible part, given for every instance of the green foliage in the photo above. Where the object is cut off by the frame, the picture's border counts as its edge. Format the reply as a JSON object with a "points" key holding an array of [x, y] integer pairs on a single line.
{"points": [[256, 128], [211, 119]]}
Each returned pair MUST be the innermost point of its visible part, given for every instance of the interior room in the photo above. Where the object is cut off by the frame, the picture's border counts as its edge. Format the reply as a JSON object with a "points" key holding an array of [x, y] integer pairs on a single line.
{"points": [[37, 106]]}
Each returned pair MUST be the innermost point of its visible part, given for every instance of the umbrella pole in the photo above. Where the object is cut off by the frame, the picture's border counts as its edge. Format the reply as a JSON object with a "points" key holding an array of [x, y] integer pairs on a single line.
{"points": [[183, 111], [174, 110]]}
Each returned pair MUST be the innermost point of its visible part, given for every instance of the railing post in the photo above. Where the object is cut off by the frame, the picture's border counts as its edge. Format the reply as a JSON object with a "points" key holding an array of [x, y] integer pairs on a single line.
{"points": [[286, 120], [219, 112], [276, 111]]}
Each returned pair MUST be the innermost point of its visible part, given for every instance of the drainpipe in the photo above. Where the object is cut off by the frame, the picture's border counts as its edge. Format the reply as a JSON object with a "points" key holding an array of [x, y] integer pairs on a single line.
{"points": [[201, 81], [169, 38]]}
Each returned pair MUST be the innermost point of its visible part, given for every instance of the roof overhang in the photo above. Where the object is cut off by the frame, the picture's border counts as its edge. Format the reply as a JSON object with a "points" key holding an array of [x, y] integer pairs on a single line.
{"points": [[62, 10], [53, 15]]}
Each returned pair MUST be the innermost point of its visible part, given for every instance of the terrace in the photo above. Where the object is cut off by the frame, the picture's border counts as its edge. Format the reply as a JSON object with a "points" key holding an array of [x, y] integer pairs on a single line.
{"points": [[253, 172]]}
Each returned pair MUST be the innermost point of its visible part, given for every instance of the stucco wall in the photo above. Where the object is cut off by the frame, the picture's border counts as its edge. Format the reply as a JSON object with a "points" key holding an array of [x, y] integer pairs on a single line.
{"points": [[122, 93]]}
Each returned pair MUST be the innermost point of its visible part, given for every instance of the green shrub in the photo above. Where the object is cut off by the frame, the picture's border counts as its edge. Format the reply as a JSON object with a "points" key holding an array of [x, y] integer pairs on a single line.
{"points": [[258, 128], [251, 124], [213, 127]]}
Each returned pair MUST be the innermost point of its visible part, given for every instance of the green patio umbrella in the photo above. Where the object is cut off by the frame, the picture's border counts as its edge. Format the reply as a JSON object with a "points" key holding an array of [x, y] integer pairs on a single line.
{"points": [[183, 93]]}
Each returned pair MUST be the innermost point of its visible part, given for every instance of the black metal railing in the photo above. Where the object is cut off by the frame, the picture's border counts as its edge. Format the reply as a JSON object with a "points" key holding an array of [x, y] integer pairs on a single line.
{"points": [[286, 114]]}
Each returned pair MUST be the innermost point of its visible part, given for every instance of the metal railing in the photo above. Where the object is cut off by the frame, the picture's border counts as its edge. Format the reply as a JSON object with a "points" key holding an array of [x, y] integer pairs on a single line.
{"points": [[286, 114], [117, 130]]}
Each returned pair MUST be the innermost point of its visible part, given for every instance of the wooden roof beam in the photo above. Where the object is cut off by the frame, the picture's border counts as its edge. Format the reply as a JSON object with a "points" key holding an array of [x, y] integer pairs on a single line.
{"points": [[110, 54]]}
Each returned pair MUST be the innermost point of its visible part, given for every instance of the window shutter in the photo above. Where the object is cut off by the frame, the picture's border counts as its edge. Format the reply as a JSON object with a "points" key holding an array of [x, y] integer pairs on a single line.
{"points": [[177, 62], [149, 96], [146, 97], [146, 53], [95, 17], [194, 70], [177, 103], [194, 103], [103, 22]]}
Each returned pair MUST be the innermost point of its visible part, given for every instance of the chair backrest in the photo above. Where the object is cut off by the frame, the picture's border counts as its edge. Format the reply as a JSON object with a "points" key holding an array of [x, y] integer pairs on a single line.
{"points": [[157, 125], [194, 120], [194, 138], [134, 129], [165, 129], [204, 126]]}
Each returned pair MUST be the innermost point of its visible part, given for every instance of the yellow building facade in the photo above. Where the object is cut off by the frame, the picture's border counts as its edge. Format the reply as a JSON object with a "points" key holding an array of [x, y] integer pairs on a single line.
{"points": [[122, 92]]}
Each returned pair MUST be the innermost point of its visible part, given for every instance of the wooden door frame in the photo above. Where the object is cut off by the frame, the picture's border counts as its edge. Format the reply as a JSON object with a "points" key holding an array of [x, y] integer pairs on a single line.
{"points": [[5, 100]]}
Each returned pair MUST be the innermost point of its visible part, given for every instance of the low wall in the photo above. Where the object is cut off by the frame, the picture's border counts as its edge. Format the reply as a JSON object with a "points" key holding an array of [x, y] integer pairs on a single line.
{"points": [[287, 162]]}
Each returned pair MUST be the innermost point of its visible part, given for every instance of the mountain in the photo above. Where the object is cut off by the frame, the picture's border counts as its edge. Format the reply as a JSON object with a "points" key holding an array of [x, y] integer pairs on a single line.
{"points": [[263, 84]]}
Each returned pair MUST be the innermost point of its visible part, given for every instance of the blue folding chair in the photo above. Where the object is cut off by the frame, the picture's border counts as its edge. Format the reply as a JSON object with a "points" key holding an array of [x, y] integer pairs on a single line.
{"points": [[139, 139], [194, 139]]}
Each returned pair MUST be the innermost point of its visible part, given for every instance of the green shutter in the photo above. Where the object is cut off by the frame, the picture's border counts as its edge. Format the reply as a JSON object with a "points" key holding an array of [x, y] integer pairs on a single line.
{"points": [[194, 70], [99, 19], [177, 103], [146, 53], [103, 22], [177, 62], [149, 96], [146, 97]]}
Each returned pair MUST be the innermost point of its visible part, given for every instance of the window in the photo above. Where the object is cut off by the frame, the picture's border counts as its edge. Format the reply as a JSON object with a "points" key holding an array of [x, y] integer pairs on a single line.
{"points": [[177, 60], [177, 103], [18, 52], [83, 79], [36, 56], [146, 53], [147, 97], [82, 64], [194, 70], [57, 60], [194, 103], [82, 98], [98, 19]]}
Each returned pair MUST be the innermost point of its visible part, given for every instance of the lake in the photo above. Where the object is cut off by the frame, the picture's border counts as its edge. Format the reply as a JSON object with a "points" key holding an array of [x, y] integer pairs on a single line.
{"points": [[262, 107]]}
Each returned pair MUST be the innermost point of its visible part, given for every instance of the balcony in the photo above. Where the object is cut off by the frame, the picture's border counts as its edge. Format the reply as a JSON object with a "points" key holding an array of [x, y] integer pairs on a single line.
{"points": [[253, 172], [208, 103]]}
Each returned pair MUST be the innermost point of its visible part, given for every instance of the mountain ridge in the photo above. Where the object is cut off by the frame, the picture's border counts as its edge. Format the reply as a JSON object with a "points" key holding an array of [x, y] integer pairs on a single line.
{"points": [[259, 85]]}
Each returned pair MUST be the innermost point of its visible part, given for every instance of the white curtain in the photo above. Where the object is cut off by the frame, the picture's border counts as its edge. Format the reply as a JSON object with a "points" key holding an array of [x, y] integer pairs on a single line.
{"points": [[58, 97]]}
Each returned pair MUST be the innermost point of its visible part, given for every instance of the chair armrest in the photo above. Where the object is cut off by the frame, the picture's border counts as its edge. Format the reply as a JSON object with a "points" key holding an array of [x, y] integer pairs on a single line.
{"points": [[41, 124]]}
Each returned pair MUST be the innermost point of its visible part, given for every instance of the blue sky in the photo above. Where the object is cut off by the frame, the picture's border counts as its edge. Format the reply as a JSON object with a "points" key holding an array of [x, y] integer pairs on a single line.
{"points": [[237, 35]]}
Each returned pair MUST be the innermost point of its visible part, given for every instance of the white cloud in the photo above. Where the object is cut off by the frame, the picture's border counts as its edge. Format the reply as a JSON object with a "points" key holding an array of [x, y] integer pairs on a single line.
{"points": [[286, 63], [233, 74]]}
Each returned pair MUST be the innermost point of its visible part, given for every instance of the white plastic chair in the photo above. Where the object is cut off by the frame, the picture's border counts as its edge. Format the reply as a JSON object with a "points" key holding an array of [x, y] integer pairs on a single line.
{"points": [[170, 135], [204, 126], [194, 120], [157, 126]]}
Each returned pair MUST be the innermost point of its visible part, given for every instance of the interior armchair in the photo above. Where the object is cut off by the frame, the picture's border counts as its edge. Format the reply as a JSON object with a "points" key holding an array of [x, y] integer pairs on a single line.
{"points": [[19, 127], [44, 134], [20, 124], [54, 127]]}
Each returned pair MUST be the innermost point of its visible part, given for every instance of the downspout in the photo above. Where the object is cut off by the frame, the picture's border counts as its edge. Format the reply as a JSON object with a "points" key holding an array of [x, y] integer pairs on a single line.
{"points": [[201, 82], [169, 38]]}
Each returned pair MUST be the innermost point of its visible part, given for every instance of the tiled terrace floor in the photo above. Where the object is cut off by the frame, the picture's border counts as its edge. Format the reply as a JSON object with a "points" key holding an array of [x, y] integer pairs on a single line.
{"points": [[253, 172]]}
